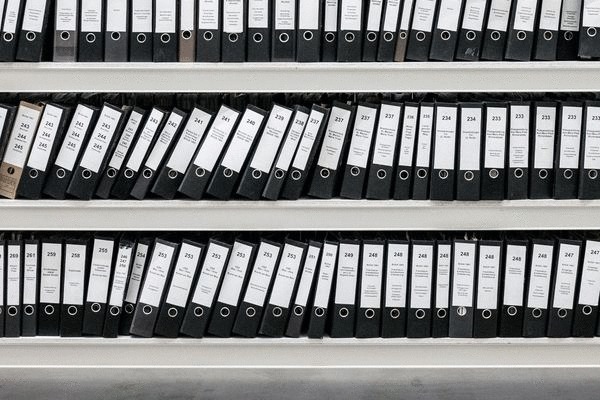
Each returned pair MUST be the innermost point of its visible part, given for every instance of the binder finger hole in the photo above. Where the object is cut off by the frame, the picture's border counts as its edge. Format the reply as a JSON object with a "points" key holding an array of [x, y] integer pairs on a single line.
{"points": [[147, 309], [172, 312], [388, 36], [562, 313], [198, 312], [536, 313], [371, 36], [186, 35], [343, 312], [445, 35], [227, 173], [548, 35], [329, 37], [591, 31], [369, 313], [200, 172], [256, 174], [95, 307], [115, 36], [422, 173], [284, 38], [30, 36], [319, 312], [420, 313], [8, 37], [60, 173], [298, 311], [471, 35], [33, 173], [495, 35], [443, 174], [308, 36], [90, 38], [279, 174], [420, 36], [518, 173], [586, 310], [233, 37], [403, 35], [296, 175], [86, 174], [129, 308], [141, 38], [224, 312], [147, 173], [354, 171], [592, 174], [29, 310], [441, 313], [111, 172], [114, 311], [469, 175], [250, 312], [403, 175], [65, 35], [324, 173], [394, 313], [12, 311], [521, 35], [208, 36], [165, 38], [486, 314], [349, 36], [568, 35], [172, 174], [494, 173], [72, 310], [512, 311], [277, 311], [543, 173], [461, 311], [257, 37], [381, 174], [568, 173], [49, 309], [129, 173]]}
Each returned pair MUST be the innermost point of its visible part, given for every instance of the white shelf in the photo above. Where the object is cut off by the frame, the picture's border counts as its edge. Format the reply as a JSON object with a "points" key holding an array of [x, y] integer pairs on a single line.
{"points": [[309, 214], [563, 76]]}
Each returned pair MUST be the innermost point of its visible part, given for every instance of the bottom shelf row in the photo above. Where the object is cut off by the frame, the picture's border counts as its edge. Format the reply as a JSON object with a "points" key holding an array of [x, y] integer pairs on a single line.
{"points": [[363, 285]]}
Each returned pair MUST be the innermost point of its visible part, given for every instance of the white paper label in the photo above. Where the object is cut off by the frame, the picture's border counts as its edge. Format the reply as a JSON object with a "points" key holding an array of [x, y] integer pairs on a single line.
{"points": [[165, 16], [407, 143], [448, 15], [514, 275], [421, 274], [362, 134], [442, 276], [589, 287], [570, 137], [307, 277], [74, 284], [157, 274], [208, 14], [488, 277], [30, 275], [424, 138], [91, 15], [116, 15], [390, 21], [285, 279], [262, 272], [141, 11], [22, 135], [184, 273], [215, 140], [351, 15], [308, 14], [423, 15], [570, 14], [333, 141], [33, 16], [270, 139], [347, 274], [186, 15], [525, 15], [566, 276], [13, 275], [233, 281], [470, 138], [539, 276], [445, 138], [12, 16], [518, 151], [137, 272], [100, 270], [125, 141], [495, 137], [396, 275], [144, 140], [474, 15], [44, 138], [210, 276], [550, 15], [292, 140], [325, 275], [591, 152], [308, 139], [188, 142], [50, 273], [545, 127], [591, 13], [164, 141], [73, 141], [374, 15], [331, 16], [258, 14], [285, 15], [371, 276], [101, 139], [387, 133], [498, 15], [233, 16], [117, 291], [463, 274]]}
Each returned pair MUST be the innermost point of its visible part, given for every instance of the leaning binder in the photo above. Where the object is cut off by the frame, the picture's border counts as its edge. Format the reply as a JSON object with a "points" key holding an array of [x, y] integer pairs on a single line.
{"points": [[320, 305], [91, 39], [284, 31], [141, 40], [494, 39], [138, 268], [233, 34], [165, 31], [33, 30], [589, 182], [470, 37], [116, 39], [541, 182], [519, 43], [406, 153], [585, 316], [568, 147], [518, 151], [444, 145], [445, 33], [310, 29], [538, 288], [350, 31], [50, 287], [546, 39], [468, 180], [259, 30], [420, 33], [404, 29], [121, 270], [10, 26], [208, 37], [568, 37], [493, 176]]}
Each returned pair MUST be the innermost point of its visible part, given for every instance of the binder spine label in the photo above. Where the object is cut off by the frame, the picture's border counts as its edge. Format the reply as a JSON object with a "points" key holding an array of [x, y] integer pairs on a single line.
{"points": [[474, 15], [351, 15], [518, 152], [285, 279], [406, 15], [186, 146], [44, 138], [270, 138], [371, 276], [387, 132], [258, 14], [145, 139], [470, 138], [487, 277], [164, 141], [66, 15], [307, 277], [50, 273], [421, 274], [566, 276], [499, 15], [570, 14], [331, 16], [448, 15], [396, 275], [117, 291], [21, 136], [100, 270], [131, 128], [362, 133], [208, 14], [570, 137], [233, 281], [424, 140], [33, 16], [347, 274], [12, 16], [423, 15], [116, 15], [165, 13], [442, 276], [215, 140], [101, 139], [209, 278], [589, 289], [74, 283], [13, 276], [30, 274], [75, 136], [291, 141], [156, 276], [91, 15], [591, 13], [543, 154], [514, 275], [539, 277], [525, 15], [334, 138], [308, 15], [550, 15], [445, 138], [591, 156], [285, 14], [137, 272], [141, 11], [463, 274], [242, 141], [407, 143], [495, 137], [262, 272], [374, 15], [325, 275], [184, 273], [308, 139], [233, 16], [392, 10]]}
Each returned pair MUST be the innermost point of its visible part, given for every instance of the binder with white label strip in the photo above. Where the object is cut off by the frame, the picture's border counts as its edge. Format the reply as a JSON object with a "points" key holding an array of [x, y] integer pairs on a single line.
{"points": [[589, 42], [141, 37], [259, 30], [420, 190], [310, 30], [513, 288], [468, 180], [441, 314], [494, 39], [116, 33], [91, 33], [406, 152], [538, 288], [521, 30], [73, 287], [589, 177], [493, 175], [445, 135], [208, 37], [233, 33], [2, 283], [518, 150], [31, 279], [187, 30], [14, 288], [568, 147], [33, 30], [546, 40], [118, 284], [420, 33], [403, 30], [462, 289], [389, 31], [471, 33], [50, 286], [543, 137], [446, 30], [418, 324], [585, 315], [370, 289], [330, 30], [374, 12], [284, 31], [10, 26], [395, 292], [138, 269], [568, 37], [343, 318], [322, 293], [350, 31], [485, 321], [165, 35]]}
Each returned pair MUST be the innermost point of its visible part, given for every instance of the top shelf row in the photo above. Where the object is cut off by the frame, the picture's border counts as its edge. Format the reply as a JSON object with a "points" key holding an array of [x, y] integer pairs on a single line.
{"points": [[553, 76]]}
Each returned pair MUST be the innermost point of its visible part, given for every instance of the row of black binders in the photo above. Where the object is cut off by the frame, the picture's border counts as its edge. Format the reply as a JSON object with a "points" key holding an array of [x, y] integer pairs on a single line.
{"points": [[376, 149], [396, 285], [302, 30]]}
